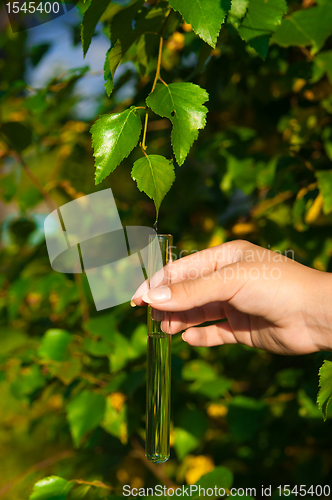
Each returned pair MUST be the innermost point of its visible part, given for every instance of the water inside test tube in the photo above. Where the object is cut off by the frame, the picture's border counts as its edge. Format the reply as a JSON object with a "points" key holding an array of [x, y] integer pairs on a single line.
{"points": [[157, 445]]}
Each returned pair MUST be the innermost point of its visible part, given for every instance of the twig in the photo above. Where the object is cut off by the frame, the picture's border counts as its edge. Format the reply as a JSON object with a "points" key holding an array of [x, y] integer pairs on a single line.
{"points": [[161, 41], [307, 53], [307, 3], [281, 398], [82, 298], [36, 181], [156, 470], [97, 484], [34, 468], [157, 75]]}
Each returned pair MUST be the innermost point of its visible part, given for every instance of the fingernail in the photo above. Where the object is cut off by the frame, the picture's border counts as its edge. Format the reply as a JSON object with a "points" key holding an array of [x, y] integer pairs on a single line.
{"points": [[132, 303], [162, 294], [183, 336]]}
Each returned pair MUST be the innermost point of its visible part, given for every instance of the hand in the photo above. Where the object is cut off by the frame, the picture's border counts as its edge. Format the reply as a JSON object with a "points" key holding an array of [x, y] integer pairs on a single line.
{"points": [[268, 301]]}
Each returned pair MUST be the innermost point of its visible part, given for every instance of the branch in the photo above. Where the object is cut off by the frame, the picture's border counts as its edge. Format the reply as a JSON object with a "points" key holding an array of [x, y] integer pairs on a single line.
{"points": [[97, 484], [34, 468], [36, 181]]}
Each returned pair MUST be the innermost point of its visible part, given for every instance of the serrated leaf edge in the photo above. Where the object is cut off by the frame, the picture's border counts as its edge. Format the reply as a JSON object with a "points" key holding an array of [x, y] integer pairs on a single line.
{"points": [[155, 184], [212, 40], [179, 162], [323, 407], [132, 109]]}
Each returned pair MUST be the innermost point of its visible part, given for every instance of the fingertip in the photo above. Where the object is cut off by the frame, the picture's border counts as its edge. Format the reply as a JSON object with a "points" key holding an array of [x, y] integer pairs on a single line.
{"points": [[137, 297], [137, 301], [192, 336], [166, 326]]}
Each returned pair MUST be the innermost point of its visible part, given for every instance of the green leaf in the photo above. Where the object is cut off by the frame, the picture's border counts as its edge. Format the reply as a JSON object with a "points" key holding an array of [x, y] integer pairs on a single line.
{"points": [[307, 406], [205, 16], [146, 20], [219, 477], [54, 345], [245, 417], [182, 104], [90, 20], [51, 488], [84, 413], [147, 52], [121, 353], [306, 27], [154, 175], [115, 421], [66, 371], [11, 339], [325, 384], [324, 178], [323, 64], [139, 340], [262, 19], [184, 442], [97, 347], [112, 61], [198, 369], [37, 52], [122, 22], [113, 139], [289, 378], [28, 381], [102, 326], [38, 102], [122, 37], [212, 389], [191, 427], [16, 135], [243, 172], [237, 12]]}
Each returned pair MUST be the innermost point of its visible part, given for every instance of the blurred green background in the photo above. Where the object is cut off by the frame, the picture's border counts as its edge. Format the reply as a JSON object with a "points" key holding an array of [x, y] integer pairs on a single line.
{"points": [[72, 381]]}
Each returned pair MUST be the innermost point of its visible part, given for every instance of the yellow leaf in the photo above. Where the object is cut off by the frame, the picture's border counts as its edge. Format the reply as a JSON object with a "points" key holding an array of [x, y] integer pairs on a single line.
{"points": [[199, 466], [265, 205], [315, 210], [117, 399], [216, 410], [243, 228]]}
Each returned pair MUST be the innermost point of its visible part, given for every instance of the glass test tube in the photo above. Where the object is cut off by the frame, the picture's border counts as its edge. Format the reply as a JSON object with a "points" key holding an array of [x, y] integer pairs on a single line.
{"points": [[158, 385]]}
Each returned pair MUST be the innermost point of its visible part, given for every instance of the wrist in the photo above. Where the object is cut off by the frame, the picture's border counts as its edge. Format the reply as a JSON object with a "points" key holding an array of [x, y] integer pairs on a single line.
{"points": [[321, 311]]}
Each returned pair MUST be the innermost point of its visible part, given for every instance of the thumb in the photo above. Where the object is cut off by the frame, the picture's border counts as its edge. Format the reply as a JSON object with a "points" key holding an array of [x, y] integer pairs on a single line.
{"points": [[223, 284]]}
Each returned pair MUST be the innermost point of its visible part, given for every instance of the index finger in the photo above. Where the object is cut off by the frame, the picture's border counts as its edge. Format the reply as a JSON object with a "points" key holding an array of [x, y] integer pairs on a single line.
{"points": [[190, 267]]}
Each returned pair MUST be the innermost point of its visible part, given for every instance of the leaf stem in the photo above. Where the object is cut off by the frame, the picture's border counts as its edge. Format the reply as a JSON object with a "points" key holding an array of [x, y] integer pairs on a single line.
{"points": [[144, 153], [161, 41], [143, 146]]}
